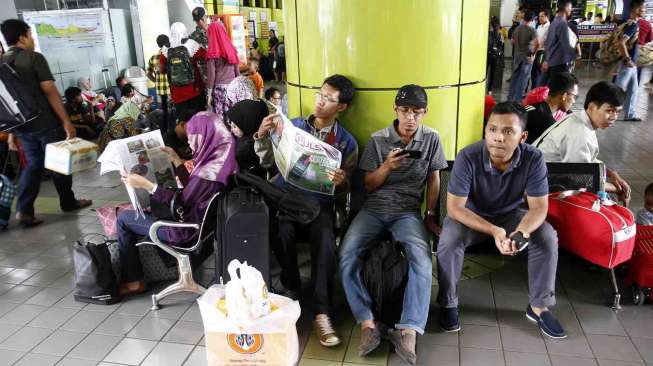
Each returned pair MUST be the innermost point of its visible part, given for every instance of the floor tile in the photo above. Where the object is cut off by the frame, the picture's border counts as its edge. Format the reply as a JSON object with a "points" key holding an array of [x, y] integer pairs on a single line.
{"points": [[481, 357], [597, 319], [574, 345], [32, 359], [312, 362], [522, 340], [135, 306], [47, 297], [173, 310], [7, 330], [22, 314], [59, 343], [25, 339], [434, 355], [480, 337], [151, 328], [572, 361], [315, 350], [438, 337], [530, 359], [69, 302], [168, 354], [84, 321], [8, 357], [618, 363], [185, 332], [67, 361], [102, 308], [20, 293], [130, 351], [94, 347], [613, 348], [645, 348], [192, 314], [44, 277], [53, 318], [378, 357], [17, 276], [197, 358], [117, 324]]}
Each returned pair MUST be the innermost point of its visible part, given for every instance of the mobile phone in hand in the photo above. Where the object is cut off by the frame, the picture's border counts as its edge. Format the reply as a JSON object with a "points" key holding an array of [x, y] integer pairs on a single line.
{"points": [[520, 241], [412, 154]]}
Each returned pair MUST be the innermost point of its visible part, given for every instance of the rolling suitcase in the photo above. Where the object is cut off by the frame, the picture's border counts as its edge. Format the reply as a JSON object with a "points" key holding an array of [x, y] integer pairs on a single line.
{"points": [[640, 272], [242, 232], [601, 233]]}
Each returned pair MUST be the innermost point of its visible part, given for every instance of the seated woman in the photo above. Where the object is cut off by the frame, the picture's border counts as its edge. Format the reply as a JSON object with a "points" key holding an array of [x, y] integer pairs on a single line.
{"points": [[84, 83], [122, 124], [214, 154], [244, 118]]}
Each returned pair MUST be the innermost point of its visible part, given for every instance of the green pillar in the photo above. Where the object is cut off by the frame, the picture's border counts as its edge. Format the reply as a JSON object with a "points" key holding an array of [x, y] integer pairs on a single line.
{"points": [[384, 44]]}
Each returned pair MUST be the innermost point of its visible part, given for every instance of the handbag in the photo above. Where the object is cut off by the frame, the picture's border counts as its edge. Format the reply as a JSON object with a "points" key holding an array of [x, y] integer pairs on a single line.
{"points": [[108, 216], [95, 281]]}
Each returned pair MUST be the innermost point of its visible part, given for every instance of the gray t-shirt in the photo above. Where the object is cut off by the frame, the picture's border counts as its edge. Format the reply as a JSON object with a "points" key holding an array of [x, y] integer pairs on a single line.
{"points": [[402, 190], [523, 37]]}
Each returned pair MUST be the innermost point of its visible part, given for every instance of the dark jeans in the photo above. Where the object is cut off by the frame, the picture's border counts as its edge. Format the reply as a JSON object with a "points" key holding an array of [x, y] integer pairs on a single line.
{"points": [[29, 184], [323, 256], [130, 228], [165, 124], [536, 71]]}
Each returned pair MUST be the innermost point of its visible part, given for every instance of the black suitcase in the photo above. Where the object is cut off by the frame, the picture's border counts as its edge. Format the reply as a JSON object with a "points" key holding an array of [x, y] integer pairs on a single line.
{"points": [[242, 232]]}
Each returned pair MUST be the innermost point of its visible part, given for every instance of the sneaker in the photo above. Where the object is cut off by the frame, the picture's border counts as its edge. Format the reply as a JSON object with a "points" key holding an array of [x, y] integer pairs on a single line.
{"points": [[548, 324], [449, 320], [370, 340], [404, 345], [325, 331]]}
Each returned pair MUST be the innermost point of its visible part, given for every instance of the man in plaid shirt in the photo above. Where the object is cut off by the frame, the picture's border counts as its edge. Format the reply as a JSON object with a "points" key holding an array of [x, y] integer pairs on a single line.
{"points": [[160, 81]]}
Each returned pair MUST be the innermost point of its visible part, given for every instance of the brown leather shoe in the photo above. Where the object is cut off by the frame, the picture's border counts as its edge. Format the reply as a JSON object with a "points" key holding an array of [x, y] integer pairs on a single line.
{"points": [[404, 342], [132, 288], [79, 204], [325, 331]]}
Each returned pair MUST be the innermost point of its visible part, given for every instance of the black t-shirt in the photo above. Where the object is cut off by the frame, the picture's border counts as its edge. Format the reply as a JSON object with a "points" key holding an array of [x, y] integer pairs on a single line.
{"points": [[33, 69], [539, 119]]}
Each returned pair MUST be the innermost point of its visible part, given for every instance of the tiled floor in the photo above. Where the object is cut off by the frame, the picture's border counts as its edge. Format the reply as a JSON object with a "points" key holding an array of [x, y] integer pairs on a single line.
{"points": [[40, 324]]}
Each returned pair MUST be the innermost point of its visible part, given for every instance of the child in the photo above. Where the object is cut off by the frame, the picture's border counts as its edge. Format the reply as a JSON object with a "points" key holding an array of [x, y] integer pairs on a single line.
{"points": [[645, 215], [252, 74]]}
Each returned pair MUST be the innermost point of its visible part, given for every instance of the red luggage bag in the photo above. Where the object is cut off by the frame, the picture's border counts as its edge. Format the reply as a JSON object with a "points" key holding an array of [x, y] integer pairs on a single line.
{"points": [[605, 237], [640, 273]]}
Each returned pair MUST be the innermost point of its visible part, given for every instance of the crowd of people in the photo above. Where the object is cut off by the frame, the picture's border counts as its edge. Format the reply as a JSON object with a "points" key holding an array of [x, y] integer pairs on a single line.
{"points": [[222, 121]]}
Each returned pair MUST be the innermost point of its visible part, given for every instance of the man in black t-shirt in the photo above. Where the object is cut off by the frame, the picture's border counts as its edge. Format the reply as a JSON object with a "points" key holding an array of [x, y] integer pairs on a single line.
{"points": [[563, 91], [50, 126]]}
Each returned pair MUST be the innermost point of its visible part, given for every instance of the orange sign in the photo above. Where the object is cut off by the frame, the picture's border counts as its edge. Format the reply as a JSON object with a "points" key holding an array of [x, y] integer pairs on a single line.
{"points": [[245, 343]]}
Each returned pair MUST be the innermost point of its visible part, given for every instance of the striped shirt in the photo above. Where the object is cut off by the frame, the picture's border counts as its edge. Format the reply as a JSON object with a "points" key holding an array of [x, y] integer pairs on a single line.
{"points": [[403, 188]]}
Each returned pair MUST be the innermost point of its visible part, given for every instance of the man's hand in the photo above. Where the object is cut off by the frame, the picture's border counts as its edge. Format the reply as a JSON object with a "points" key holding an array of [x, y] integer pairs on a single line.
{"points": [[503, 243], [530, 59], [11, 141], [267, 124], [71, 132], [623, 188], [431, 225], [394, 158], [337, 176]]}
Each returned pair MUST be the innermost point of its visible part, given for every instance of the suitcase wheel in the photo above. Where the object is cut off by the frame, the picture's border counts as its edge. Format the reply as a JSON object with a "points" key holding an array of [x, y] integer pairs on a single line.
{"points": [[638, 295]]}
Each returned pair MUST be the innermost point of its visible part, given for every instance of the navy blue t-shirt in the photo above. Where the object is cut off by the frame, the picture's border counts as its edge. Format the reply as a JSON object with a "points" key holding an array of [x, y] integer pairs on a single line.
{"points": [[490, 192]]}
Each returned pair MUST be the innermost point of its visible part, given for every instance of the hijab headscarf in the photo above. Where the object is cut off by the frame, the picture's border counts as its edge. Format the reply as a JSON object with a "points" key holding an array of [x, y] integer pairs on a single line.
{"points": [[247, 115], [220, 45], [179, 37], [213, 146]]}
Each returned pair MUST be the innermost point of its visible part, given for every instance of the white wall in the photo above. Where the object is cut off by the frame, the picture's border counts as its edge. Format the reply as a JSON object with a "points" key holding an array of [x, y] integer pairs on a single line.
{"points": [[8, 11], [508, 8], [180, 11]]}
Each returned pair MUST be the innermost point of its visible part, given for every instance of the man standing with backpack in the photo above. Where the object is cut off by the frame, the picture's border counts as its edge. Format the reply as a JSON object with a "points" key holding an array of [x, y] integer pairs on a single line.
{"points": [[629, 48], [49, 127]]}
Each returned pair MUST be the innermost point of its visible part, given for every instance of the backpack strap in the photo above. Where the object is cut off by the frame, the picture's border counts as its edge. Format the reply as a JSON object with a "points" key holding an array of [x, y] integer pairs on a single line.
{"points": [[546, 133]]}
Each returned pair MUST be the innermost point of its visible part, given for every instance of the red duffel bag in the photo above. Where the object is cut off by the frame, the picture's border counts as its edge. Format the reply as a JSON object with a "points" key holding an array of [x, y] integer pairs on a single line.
{"points": [[601, 233]]}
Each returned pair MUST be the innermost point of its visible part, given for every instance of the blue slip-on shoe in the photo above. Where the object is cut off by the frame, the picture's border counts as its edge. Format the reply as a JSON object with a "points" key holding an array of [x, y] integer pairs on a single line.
{"points": [[449, 320], [548, 324]]}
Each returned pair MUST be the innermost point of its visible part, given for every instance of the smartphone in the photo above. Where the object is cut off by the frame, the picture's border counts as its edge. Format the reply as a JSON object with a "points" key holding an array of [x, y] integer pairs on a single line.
{"points": [[412, 154], [520, 240]]}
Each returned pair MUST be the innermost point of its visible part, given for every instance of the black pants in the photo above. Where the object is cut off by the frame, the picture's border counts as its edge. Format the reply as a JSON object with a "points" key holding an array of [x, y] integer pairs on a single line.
{"points": [[165, 124], [187, 109], [492, 64], [323, 256], [557, 69], [536, 71]]}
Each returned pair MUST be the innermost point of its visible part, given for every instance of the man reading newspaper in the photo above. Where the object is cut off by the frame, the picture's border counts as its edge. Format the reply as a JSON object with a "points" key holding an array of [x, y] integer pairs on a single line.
{"points": [[334, 96]]}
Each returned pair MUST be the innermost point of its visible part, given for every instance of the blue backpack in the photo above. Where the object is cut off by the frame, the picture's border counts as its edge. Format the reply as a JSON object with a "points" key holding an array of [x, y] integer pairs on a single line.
{"points": [[7, 194]]}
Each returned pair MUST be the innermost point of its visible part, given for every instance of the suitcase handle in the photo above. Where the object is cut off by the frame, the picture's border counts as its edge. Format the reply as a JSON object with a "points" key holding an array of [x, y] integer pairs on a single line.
{"points": [[570, 193]]}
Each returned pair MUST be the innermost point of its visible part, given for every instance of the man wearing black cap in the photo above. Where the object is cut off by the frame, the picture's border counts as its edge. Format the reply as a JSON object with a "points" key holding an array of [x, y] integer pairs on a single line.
{"points": [[399, 161], [199, 35]]}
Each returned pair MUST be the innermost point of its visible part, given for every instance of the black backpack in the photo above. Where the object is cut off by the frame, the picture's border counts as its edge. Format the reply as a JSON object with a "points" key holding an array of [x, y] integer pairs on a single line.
{"points": [[180, 69], [17, 104], [95, 281], [385, 275]]}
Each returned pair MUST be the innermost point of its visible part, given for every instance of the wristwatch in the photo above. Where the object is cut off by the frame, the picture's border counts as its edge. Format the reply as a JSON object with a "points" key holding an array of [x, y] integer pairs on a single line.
{"points": [[430, 213]]}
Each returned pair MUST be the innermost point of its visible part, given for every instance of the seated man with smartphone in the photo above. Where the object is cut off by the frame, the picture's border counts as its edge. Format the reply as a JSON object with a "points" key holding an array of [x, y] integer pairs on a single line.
{"points": [[399, 162]]}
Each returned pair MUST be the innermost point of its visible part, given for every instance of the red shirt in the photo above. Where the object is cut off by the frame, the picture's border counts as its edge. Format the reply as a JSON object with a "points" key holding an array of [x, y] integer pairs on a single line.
{"points": [[645, 32], [180, 94]]}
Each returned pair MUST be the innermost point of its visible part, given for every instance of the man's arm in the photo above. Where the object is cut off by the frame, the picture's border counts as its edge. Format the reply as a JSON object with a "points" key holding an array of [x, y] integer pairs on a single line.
{"points": [[54, 99], [432, 189], [537, 209], [376, 178]]}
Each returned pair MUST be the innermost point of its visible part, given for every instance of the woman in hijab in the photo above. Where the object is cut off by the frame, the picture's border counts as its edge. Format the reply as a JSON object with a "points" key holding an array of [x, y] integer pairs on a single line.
{"points": [[222, 66], [89, 95], [189, 99], [214, 154], [122, 124], [240, 88], [244, 118]]}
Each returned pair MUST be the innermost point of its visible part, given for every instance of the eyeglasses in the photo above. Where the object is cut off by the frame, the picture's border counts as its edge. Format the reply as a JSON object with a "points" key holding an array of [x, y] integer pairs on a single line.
{"points": [[416, 113], [574, 95], [325, 98]]}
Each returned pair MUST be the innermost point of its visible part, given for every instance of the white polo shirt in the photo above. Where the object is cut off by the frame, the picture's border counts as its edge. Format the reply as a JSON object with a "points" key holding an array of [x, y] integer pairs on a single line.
{"points": [[570, 140], [541, 33]]}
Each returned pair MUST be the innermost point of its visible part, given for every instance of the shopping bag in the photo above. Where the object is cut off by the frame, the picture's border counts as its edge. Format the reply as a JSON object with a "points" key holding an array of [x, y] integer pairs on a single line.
{"points": [[108, 216], [270, 340]]}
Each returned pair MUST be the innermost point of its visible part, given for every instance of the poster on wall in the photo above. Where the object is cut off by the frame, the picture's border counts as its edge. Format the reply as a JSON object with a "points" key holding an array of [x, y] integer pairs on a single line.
{"points": [[265, 30]]}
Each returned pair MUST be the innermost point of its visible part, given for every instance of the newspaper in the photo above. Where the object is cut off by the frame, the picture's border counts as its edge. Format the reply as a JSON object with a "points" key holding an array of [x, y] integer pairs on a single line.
{"points": [[302, 159], [143, 155]]}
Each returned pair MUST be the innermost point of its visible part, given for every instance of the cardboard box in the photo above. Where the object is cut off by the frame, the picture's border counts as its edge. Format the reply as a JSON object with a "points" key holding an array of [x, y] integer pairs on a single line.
{"points": [[70, 156]]}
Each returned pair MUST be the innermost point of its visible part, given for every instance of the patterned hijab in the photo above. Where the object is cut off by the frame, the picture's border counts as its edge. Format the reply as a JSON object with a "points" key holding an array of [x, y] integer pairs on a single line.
{"points": [[213, 146]]}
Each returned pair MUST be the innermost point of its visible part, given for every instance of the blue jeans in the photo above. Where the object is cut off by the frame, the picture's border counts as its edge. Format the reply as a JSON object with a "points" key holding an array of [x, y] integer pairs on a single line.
{"points": [[627, 80], [29, 184], [130, 228], [521, 73], [407, 229]]}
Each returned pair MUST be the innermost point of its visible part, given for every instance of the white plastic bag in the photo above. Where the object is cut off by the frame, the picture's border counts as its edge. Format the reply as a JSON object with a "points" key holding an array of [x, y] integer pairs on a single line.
{"points": [[246, 293], [268, 340]]}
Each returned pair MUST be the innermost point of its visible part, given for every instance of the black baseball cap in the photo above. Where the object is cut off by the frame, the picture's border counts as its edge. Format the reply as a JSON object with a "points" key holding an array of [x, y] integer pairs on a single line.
{"points": [[411, 95], [198, 13]]}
